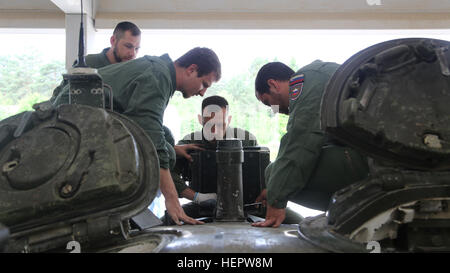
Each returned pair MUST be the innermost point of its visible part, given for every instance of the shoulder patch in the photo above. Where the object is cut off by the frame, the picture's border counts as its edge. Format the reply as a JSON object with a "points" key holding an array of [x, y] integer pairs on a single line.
{"points": [[296, 86]]}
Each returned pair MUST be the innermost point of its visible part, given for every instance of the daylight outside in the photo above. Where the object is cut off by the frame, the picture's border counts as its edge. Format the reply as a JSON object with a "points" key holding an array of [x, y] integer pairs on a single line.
{"points": [[32, 61]]}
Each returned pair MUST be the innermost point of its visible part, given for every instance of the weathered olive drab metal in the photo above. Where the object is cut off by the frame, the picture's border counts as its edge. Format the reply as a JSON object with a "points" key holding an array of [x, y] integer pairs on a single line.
{"points": [[74, 172], [391, 101]]}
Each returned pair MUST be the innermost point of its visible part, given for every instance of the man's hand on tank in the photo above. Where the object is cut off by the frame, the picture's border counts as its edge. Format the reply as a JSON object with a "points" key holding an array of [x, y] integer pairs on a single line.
{"points": [[274, 217], [182, 150], [177, 213]]}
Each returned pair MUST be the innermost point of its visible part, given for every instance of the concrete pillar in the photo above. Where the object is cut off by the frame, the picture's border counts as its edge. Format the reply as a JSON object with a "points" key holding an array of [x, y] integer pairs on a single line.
{"points": [[72, 10], [72, 36]]}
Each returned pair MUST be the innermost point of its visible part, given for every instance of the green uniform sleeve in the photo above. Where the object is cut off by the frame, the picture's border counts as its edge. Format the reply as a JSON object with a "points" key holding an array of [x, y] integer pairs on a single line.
{"points": [[168, 135], [300, 147], [299, 151], [172, 154], [180, 185], [176, 171], [146, 107], [170, 142]]}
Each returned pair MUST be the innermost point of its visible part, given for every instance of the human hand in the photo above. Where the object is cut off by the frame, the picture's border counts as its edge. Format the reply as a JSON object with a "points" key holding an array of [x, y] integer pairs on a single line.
{"points": [[182, 150], [177, 213], [274, 217], [173, 206], [200, 197]]}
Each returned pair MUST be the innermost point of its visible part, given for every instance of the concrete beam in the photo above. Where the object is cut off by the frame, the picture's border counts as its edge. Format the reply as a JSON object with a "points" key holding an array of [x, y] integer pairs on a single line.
{"points": [[285, 20], [15, 19], [74, 6]]}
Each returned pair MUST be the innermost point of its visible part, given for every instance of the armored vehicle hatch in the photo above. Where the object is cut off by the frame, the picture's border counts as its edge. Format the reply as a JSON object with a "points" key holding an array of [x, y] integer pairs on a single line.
{"points": [[391, 101]]}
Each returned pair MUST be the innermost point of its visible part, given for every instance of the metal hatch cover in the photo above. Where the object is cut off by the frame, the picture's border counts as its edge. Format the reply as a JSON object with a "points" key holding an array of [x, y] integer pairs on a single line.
{"points": [[391, 101], [74, 171]]}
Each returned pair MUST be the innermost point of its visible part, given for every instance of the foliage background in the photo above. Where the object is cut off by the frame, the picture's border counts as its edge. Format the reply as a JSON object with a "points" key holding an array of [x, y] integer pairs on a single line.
{"points": [[28, 78], [25, 80]]}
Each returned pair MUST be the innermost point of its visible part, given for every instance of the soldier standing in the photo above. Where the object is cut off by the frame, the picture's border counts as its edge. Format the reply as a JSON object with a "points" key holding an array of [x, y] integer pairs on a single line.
{"points": [[125, 44]]}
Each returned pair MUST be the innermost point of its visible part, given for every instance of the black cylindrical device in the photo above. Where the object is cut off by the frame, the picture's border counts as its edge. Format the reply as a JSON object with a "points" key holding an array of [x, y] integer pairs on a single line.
{"points": [[229, 158]]}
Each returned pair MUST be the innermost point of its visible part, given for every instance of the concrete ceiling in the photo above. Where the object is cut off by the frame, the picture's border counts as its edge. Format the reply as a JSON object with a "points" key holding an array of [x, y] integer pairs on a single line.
{"points": [[269, 6], [237, 14]]}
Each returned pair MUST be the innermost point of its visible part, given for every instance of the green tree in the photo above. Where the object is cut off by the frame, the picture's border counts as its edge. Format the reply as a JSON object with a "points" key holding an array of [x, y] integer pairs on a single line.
{"points": [[26, 79], [247, 112]]}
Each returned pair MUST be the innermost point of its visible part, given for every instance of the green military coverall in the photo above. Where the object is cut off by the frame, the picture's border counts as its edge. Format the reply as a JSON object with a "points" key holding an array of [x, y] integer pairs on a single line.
{"points": [[98, 60], [92, 60], [141, 90], [310, 166], [170, 143]]}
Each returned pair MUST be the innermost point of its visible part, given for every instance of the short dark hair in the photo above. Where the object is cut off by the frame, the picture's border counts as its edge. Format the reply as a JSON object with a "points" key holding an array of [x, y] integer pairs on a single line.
{"points": [[274, 70], [121, 27], [214, 100], [206, 60]]}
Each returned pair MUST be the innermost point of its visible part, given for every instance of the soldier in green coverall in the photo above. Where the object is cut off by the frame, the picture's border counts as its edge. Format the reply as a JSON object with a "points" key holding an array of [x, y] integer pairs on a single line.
{"points": [[310, 165], [215, 120], [125, 44], [142, 89]]}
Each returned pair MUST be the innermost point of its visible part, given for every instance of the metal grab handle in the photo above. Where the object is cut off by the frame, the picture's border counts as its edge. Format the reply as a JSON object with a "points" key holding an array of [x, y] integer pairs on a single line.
{"points": [[110, 95], [402, 56], [442, 58]]}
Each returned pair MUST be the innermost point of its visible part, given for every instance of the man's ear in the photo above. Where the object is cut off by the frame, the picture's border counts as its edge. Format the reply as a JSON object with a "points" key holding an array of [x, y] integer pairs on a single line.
{"points": [[192, 68], [112, 40], [229, 119], [200, 119], [273, 84]]}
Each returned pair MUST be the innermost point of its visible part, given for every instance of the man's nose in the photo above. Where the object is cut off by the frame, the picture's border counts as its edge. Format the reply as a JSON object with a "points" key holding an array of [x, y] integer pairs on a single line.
{"points": [[202, 92], [133, 52]]}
